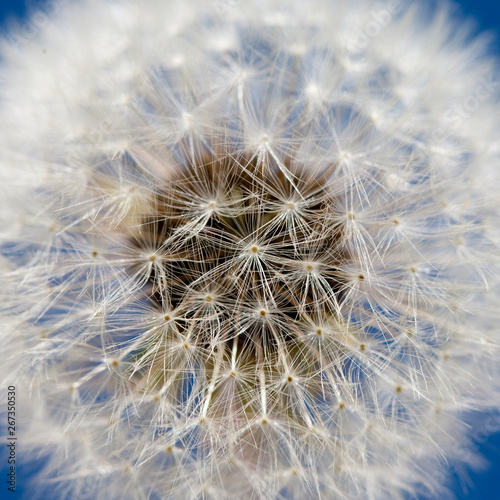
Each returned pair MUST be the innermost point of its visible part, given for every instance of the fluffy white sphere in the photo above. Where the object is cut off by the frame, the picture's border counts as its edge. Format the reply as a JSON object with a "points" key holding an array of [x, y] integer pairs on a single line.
{"points": [[250, 250]]}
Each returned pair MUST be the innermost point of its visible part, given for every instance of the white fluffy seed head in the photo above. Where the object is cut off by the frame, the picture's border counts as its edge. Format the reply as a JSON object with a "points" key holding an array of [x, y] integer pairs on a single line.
{"points": [[249, 249]]}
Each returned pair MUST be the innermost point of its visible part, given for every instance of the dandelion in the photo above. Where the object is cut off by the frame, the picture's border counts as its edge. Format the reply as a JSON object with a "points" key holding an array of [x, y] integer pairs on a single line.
{"points": [[249, 249]]}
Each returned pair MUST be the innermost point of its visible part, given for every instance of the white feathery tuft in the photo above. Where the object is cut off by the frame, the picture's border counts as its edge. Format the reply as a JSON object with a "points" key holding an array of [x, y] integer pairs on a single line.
{"points": [[249, 249]]}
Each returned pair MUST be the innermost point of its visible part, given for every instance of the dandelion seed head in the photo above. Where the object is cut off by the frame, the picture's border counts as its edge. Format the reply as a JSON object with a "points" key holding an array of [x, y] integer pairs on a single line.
{"points": [[250, 249]]}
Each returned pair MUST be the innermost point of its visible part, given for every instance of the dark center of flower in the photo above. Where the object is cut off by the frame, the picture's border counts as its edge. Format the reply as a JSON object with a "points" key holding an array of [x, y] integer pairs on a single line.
{"points": [[247, 256]]}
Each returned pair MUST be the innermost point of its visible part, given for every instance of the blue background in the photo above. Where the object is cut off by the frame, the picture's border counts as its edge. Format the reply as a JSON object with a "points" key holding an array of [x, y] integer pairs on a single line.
{"points": [[476, 485]]}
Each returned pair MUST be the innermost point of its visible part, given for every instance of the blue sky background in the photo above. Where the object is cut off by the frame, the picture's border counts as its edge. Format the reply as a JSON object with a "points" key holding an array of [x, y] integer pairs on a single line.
{"points": [[480, 486]]}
